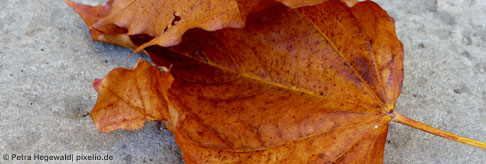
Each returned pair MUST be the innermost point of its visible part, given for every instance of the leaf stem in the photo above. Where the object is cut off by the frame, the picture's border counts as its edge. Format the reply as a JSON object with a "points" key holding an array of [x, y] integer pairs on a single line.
{"points": [[397, 117]]}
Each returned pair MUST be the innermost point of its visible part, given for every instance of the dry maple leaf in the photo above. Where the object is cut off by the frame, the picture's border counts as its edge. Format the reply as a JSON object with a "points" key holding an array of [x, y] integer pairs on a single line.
{"points": [[294, 86], [167, 20], [313, 85]]}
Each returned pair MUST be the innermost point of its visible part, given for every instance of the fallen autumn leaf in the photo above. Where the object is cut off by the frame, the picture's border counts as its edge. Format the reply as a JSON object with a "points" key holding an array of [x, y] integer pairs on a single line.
{"points": [[312, 85]]}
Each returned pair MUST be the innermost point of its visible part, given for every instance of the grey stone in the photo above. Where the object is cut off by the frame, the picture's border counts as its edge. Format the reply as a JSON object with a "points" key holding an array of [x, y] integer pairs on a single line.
{"points": [[48, 62]]}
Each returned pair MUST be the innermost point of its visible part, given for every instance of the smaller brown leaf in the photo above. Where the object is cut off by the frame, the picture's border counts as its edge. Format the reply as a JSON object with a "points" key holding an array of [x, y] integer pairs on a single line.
{"points": [[119, 22], [128, 97], [165, 20]]}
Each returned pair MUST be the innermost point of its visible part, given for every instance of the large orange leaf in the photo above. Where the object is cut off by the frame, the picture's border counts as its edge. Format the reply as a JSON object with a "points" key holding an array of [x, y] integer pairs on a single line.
{"points": [[316, 84], [294, 86]]}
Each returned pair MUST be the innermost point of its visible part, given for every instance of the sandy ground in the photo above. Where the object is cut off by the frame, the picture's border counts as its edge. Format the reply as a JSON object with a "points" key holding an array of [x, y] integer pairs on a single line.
{"points": [[48, 61]]}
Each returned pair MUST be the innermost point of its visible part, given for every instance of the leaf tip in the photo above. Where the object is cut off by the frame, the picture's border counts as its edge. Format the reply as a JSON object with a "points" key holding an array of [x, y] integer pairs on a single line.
{"points": [[97, 84]]}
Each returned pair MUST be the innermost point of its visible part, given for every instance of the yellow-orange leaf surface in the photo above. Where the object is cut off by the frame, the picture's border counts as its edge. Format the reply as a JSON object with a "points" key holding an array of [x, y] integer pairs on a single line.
{"points": [[315, 84]]}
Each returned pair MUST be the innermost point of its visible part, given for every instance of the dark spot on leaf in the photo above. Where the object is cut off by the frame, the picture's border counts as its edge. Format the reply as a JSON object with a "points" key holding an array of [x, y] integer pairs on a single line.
{"points": [[140, 39], [175, 20]]}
